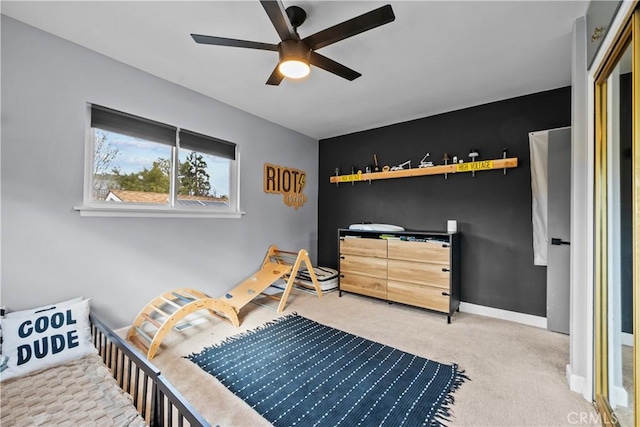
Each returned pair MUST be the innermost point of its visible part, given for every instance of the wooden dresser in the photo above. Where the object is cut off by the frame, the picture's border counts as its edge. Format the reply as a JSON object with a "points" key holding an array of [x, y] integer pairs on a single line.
{"points": [[418, 268]]}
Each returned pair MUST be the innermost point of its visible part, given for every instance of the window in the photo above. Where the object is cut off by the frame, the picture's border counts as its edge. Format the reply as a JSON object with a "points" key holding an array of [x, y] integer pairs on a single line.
{"points": [[137, 166]]}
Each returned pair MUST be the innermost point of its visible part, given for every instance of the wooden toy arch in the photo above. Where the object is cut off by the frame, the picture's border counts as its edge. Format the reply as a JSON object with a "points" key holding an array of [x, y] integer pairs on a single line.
{"points": [[171, 310]]}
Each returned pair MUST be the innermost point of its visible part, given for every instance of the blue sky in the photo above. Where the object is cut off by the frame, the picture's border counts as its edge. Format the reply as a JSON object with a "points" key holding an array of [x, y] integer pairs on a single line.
{"points": [[135, 154]]}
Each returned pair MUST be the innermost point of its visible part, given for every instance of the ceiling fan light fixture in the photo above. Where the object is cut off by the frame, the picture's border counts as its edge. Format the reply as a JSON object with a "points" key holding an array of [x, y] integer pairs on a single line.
{"points": [[294, 59], [294, 68]]}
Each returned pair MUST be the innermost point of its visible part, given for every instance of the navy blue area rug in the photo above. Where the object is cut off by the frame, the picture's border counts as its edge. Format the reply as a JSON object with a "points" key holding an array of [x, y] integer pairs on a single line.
{"points": [[296, 372]]}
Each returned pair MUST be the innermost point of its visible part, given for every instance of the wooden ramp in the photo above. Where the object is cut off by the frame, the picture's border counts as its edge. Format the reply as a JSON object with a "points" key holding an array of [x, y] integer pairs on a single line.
{"points": [[255, 285], [175, 309]]}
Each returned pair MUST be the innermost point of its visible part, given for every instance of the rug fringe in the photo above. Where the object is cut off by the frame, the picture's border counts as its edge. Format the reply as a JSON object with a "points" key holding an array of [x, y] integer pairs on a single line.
{"points": [[444, 414], [245, 334]]}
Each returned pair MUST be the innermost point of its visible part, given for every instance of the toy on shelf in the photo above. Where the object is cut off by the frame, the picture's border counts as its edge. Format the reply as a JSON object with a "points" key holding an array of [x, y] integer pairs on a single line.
{"points": [[177, 309], [368, 169], [401, 166], [424, 163]]}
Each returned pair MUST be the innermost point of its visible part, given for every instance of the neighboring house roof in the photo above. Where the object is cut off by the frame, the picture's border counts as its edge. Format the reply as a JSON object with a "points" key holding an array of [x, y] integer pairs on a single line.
{"points": [[129, 196]]}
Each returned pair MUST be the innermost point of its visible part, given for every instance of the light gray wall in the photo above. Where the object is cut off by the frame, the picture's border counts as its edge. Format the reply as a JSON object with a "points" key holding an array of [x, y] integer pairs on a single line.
{"points": [[49, 252]]}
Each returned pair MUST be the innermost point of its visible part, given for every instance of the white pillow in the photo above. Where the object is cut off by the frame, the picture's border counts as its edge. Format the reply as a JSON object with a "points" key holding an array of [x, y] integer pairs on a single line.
{"points": [[31, 311], [45, 338]]}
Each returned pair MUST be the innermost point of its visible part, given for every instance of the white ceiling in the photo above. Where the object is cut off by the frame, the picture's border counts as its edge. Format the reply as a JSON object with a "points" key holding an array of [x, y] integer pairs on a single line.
{"points": [[437, 56]]}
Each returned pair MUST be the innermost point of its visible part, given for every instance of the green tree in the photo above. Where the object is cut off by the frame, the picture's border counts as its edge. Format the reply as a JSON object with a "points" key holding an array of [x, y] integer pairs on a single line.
{"points": [[194, 179], [154, 180], [104, 153]]}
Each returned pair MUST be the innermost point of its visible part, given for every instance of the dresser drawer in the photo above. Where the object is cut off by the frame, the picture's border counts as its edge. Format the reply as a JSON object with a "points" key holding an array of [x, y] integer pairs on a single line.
{"points": [[365, 285], [422, 273], [364, 247], [367, 266], [434, 252], [418, 295]]}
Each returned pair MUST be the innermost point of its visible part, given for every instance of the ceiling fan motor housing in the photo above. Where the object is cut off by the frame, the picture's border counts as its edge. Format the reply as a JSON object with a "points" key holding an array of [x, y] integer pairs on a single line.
{"points": [[294, 50]]}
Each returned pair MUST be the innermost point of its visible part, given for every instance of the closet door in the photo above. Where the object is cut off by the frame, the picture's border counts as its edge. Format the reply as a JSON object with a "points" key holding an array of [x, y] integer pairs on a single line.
{"points": [[617, 230], [559, 230]]}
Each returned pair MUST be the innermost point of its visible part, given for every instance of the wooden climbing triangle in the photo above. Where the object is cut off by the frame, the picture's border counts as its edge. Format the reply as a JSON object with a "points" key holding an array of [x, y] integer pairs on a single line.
{"points": [[277, 265], [175, 309]]}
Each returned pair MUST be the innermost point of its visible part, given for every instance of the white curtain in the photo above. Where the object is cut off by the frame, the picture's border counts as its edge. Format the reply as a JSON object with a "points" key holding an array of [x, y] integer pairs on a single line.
{"points": [[539, 149]]}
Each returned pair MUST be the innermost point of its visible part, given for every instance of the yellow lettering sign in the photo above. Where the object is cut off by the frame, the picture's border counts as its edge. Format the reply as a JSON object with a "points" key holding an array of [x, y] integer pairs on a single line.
{"points": [[474, 166], [351, 178]]}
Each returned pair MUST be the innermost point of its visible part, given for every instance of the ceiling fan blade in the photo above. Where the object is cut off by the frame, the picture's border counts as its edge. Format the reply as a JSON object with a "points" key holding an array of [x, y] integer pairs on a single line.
{"points": [[223, 41], [333, 67], [276, 77], [278, 16], [359, 24]]}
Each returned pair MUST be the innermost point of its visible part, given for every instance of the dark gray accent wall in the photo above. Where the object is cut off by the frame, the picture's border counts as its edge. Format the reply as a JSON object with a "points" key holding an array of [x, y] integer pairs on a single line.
{"points": [[493, 210]]}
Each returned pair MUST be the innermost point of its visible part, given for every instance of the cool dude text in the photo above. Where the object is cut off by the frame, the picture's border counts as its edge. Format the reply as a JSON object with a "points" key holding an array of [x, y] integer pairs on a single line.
{"points": [[55, 343]]}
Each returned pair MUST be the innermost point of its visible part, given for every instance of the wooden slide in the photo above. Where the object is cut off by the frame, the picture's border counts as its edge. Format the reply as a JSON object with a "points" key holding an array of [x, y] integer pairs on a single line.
{"points": [[175, 309]]}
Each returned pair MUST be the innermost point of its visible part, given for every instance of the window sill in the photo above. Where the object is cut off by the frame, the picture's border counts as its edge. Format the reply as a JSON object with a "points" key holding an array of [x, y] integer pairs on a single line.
{"points": [[152, 212]]}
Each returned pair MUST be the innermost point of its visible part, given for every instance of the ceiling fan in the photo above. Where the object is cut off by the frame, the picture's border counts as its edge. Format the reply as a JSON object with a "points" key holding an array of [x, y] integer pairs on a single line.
{"points": [[296, 54]]}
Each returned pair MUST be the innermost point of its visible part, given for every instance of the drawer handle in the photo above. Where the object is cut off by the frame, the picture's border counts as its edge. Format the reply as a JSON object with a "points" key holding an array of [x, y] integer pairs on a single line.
{"points": [[342, 276], [446, 294], [342, 239], [446, 270], [341, 257], [445, 245]]}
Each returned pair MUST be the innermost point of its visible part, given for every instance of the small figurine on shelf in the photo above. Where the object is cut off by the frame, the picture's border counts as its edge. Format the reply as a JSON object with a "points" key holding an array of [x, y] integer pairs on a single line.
{"points": [[401, 166], [375, 161], [424, 163], [368, 169], [473, 155]]}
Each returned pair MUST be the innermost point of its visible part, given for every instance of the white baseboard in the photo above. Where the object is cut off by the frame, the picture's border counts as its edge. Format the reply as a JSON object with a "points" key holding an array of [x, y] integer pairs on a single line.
{"points": [[627, 339], [618, 396], [576, 382], [512, 316]]}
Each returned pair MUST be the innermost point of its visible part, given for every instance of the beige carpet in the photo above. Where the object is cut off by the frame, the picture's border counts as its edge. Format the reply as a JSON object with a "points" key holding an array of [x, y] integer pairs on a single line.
{"points": [[517, 372]]}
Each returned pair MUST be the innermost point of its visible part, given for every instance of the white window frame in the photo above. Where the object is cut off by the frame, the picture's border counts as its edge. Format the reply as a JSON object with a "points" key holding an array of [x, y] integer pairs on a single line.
{"points": [[95, 208]]}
